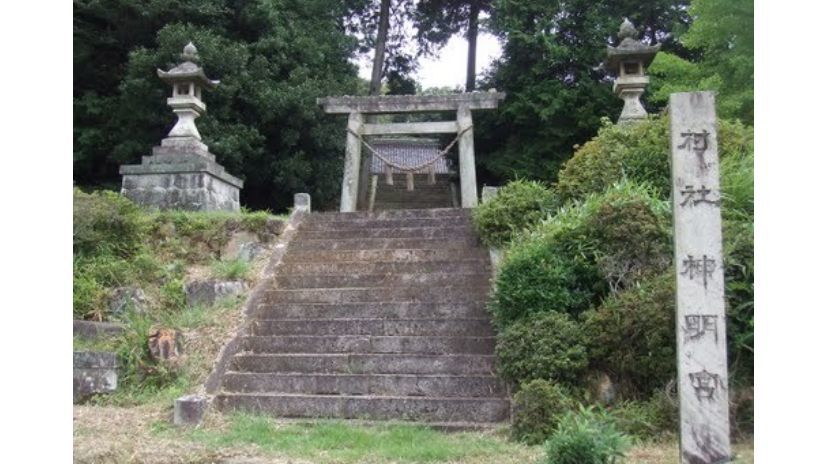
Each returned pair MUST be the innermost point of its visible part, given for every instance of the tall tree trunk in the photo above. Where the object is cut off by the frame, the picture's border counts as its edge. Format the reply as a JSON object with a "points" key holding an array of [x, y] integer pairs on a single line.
{"points": [[380, 45], [472, 36]]}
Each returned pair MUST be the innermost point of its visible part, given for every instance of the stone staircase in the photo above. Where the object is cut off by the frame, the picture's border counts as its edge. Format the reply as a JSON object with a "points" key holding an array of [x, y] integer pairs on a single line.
{"points": [[374, 316], [423, 196]]}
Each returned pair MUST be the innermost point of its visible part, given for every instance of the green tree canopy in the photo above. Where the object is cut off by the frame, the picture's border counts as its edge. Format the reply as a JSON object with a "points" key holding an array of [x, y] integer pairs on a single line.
{"points": [[556, 89], [722, 35], [273, 59]]}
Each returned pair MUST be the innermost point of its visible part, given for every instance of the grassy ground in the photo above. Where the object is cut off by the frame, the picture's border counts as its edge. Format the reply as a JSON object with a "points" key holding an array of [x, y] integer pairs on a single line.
{"points": [[108, 434]]}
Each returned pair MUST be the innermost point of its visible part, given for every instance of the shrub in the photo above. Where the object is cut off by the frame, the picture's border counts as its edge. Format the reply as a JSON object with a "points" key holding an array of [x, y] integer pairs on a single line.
{"points": [[638, 152], [585, 437], [232, 269], [543, 346], [89, 297], [105, 222], [517, 206], [737, 212], [254, 221], [536, 277], [649, 419], [568, 262], [632, 336], [173, 295], [631, 232], [536, 409]]}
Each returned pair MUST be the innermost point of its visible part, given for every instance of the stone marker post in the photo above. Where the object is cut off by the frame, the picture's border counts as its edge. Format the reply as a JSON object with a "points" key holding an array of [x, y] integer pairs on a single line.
{"points": [[700, 282]]}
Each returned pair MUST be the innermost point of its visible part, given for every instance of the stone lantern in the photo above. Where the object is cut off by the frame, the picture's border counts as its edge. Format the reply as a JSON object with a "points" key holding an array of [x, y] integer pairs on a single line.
{"points": [[187, 79], [182, 173], [628, 61]]}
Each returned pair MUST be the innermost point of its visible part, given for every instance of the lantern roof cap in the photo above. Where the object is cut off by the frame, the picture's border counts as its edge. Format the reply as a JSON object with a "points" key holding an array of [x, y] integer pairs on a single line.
{"points": [[629, 48], [188, 70]]}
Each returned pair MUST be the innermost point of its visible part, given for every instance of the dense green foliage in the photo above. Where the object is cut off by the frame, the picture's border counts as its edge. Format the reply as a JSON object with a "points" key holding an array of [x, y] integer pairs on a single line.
{"points": [[639, 152], [536, 277], [273, 59], [106, 223], [586, 437], [570, 261], [722, 35], [631, 336], [546, 346], [605, 258], [518, 205], [556, 91], [647, 419], [537, 406]]}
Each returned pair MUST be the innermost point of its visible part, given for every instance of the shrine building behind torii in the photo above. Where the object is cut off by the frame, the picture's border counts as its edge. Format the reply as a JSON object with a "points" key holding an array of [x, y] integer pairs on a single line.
{"points": [[356, 107]]}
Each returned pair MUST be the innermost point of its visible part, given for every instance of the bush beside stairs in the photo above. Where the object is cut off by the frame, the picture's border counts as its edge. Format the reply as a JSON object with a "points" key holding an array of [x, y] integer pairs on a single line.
{"points": [[374, 316]]}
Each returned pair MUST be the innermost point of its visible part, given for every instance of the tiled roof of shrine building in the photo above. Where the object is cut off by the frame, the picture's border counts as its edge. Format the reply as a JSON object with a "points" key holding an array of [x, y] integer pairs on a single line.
{"points": [[408, 152]]}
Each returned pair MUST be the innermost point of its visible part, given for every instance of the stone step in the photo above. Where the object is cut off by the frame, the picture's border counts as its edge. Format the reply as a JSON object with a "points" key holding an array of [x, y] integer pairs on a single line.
{"points": [[444, 294], [368, 344], [435, 409], [400, 214], [390, 232], [366, 384], [432, 280], [409, 255], [405, 204], [363, 224], [468, 266], [419, 194], [366, 243], [353, 363], [375, 327], [418, 182], [391, 207], [413, 201], [386, 310]]}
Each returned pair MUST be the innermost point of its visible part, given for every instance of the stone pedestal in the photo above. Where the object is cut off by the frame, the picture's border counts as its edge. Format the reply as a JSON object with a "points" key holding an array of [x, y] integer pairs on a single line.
{"points": [[189, 409], [181, 174], [630, 89]]}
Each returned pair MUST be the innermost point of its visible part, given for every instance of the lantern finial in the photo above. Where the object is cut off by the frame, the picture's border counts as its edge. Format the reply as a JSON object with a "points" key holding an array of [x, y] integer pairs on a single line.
{"points": [[627, 30], [190, 53]]}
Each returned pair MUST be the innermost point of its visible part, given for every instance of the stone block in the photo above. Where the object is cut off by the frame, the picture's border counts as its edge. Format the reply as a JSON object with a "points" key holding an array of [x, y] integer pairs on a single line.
{"points": [[124, 299], [302, 202], [488, 193], [207, 292], [91, 329], [242, 245], [94, 372], [189, 409]]}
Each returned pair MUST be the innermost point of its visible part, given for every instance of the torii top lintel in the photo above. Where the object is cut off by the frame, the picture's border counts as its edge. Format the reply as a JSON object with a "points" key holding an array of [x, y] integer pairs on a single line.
{"points": [[411, 103]]}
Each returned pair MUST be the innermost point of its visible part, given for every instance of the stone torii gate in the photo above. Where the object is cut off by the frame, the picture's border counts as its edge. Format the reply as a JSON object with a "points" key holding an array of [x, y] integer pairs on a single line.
{"points": [[462, 104]]}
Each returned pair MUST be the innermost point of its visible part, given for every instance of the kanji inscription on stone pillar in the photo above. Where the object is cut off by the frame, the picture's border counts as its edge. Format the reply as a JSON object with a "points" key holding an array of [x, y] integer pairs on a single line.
{"points": [[700, 282]]}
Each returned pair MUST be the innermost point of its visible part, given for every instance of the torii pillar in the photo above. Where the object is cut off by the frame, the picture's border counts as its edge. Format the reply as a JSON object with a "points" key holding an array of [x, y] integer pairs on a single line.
{"points": [[462, 104]]}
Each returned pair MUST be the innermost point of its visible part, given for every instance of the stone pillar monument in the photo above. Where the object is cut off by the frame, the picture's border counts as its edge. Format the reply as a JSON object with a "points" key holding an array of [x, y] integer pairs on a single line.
{"points": [[182, 173], [700, 281], [628, 62]]}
